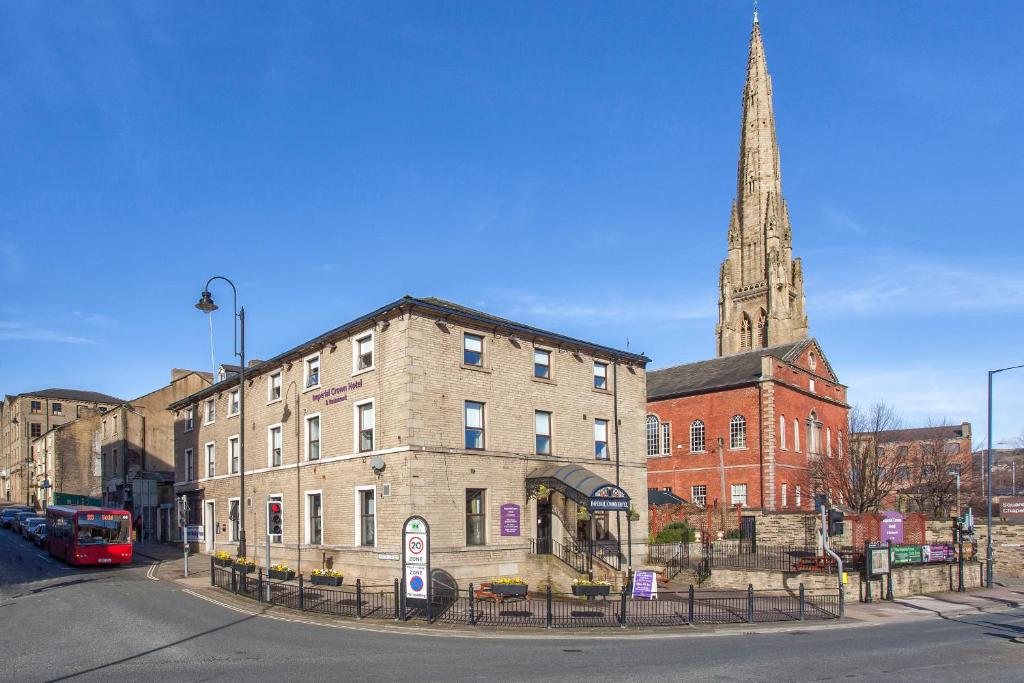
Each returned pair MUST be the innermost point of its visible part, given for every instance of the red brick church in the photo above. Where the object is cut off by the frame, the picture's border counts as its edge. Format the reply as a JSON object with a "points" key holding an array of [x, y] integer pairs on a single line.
{"points": [[743, 428]]}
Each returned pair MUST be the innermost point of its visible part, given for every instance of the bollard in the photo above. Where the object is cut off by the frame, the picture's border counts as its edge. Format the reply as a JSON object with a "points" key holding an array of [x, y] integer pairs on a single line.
{"points": [[842, 602], [802, 598], [689, 607], [213, 582], [472, 606], [359, 598], [750, 603], [234, 580], [398, 602], [302, 597], [259, 584], [548, 603], [622, 609]]}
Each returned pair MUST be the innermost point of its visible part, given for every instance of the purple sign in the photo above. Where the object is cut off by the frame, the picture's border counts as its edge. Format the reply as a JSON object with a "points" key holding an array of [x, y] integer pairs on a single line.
{"points": [[644, 584], [937, 552], [891, 527], [510, 519]]}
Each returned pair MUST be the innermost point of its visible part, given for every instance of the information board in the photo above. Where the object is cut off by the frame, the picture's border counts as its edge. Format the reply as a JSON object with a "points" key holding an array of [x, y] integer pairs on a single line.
{"points": [[416, 561], [510, 519], [645, 584], [906, 554]]}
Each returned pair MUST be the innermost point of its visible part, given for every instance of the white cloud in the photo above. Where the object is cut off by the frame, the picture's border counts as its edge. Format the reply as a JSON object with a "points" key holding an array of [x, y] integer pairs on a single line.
{"points": [[600, 310], [11, 330]]}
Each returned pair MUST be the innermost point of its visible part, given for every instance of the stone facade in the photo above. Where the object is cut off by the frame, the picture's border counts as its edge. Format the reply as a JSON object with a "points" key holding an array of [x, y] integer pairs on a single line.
{"points": [[761, 295], [69, 456], [25, 417], [418, 384]]}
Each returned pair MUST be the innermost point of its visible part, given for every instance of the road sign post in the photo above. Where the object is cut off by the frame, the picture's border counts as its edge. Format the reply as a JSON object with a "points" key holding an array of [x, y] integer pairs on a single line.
{"points": [[416, 563], [183, 525]]}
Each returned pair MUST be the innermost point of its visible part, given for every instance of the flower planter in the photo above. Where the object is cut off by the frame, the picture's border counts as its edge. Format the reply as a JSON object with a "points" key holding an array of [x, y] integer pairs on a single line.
{"points": [[591, 591], [244, 568], [326, 580], [510, 589], [282, 576], [222, 562]]}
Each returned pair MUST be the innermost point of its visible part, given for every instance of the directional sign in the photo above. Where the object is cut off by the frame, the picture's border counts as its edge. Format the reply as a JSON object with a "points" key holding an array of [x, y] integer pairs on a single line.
{"points": [[416, 561]]}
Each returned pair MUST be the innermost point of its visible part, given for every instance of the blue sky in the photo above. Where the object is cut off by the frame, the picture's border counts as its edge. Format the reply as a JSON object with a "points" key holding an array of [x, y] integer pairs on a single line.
{"points": [[569, 165]]}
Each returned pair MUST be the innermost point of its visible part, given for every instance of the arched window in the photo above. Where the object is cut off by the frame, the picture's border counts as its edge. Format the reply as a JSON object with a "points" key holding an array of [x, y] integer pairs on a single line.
{"points": [[697, 436], [762, 329], [812, 361], [828, 441], [796, 435], [738, 432], [782, 432], [813, 434], [745, 332], [653, 430]]}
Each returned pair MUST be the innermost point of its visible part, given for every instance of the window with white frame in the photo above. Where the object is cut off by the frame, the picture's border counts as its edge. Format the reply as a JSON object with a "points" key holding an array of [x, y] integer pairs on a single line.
{"points": [[314, 518], [812, 361], [366, 516], [839, 443], [601, 439], [600, 375], [233, 454], [796, 495], [785, 495], [210, 415], [472, 349], [828, 441], [699, 494], [653, 436], [666, 438], [782, 432], [697, 437], [190, 465], [233, 402], [274, 446], [311, 371], [542, 431], [813, 434], [476, 517], [542, 363], [474, 425], [274, 387], [739, 494], [190, 418], [737, 432], [233, 519], [362, 350], [365, 422], [796, 435], [211, 459], [313, 437]]}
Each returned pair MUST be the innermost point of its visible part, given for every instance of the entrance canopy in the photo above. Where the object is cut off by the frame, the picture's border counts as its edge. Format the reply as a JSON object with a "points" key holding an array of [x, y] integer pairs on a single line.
{"points": [[579, 484]]}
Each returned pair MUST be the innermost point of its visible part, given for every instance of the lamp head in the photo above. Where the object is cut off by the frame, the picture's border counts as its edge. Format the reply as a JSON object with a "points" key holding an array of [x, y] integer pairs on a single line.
{"points": [[205, 303]]}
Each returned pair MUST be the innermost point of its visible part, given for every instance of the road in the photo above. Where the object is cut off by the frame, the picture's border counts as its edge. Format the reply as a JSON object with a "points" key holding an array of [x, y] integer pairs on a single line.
{"points": [[109, 624]]}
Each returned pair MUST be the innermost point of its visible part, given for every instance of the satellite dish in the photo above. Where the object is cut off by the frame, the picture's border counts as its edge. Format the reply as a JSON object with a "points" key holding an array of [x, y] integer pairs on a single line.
{"points": [[377, 464]]}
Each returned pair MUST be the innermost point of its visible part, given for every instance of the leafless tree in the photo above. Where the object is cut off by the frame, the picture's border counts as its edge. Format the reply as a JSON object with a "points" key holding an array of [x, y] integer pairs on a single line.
{"points": [[863, 477], [928, 475]]}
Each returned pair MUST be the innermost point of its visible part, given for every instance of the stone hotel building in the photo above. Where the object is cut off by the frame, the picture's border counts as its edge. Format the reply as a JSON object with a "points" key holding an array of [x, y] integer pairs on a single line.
{"points": [[424, 407]]}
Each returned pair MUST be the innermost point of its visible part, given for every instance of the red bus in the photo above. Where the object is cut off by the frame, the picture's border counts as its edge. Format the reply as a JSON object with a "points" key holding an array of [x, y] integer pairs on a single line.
{"points": [[83, 534]]}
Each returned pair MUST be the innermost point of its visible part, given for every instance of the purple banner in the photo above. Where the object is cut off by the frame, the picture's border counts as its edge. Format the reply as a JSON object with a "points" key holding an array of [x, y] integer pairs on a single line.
{"points": [[937, 552], [644, 584], [510, 516], [891, 527]]}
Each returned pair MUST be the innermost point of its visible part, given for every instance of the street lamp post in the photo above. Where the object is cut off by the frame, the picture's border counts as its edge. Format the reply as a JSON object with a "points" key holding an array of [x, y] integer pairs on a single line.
{"points": [[206, 305], [988, 465]]}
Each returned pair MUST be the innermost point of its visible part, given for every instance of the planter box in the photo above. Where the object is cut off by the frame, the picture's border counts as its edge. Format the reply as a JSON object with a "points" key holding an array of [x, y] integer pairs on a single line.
{"points": [[591, 591], [510, 589], [245, 568], [326, 580], [223, 563], [283, 576]]}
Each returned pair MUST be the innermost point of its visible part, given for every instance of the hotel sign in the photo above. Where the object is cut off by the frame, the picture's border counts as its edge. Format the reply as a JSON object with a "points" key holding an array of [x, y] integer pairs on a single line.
{"points": [[510, 519], [337, 394], [609, 497]]}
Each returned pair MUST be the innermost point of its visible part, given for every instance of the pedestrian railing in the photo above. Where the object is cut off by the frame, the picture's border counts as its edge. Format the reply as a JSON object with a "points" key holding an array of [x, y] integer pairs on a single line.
{"points": [[540, 609]]}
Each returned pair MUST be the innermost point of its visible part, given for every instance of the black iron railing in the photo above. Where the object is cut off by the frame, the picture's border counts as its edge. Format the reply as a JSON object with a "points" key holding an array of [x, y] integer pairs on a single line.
{"points": [[542, 609]]}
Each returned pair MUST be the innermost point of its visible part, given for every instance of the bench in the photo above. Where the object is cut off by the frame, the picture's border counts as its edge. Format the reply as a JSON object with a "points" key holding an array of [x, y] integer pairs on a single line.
{"points": [[486, 592]]}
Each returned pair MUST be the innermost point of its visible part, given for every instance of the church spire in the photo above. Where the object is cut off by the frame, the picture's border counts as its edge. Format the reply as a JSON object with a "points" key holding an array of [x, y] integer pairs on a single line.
{"points": [[759, 280]]}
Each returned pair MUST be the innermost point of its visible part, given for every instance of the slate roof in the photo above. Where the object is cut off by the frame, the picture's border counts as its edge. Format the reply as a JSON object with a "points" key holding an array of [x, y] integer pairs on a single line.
{"points": [[659, 497], [74, 395], [921, 434], [737, 370]]}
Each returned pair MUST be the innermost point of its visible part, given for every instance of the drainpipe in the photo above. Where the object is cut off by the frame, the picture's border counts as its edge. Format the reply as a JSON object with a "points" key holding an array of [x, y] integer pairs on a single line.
{"points": [[760, 439], [615, 418]]}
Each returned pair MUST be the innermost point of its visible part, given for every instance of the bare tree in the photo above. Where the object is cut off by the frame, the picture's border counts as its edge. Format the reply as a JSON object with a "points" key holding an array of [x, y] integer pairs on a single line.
{"points": [[933, 460], [863, 477]]}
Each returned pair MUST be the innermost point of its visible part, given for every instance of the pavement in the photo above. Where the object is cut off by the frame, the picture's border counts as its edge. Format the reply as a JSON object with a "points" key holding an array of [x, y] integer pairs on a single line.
{"points": [[146, 621]]}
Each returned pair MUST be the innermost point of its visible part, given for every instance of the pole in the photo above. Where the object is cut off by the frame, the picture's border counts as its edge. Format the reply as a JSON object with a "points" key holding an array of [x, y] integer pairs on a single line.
{"points": [[839, 560], [988, 478], [241, 434]]}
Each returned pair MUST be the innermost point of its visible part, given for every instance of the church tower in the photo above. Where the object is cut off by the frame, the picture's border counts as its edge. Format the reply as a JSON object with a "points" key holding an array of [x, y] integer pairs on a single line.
{"points": [[761, 285]]}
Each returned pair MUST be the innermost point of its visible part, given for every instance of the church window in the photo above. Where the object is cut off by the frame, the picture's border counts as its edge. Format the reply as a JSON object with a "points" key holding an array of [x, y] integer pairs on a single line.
{"points": [[812, 361], [697, 436], [762, 329], [653, 431], [782, 432], [738, 432], [796, 435], [745, 333], [813, 434]]}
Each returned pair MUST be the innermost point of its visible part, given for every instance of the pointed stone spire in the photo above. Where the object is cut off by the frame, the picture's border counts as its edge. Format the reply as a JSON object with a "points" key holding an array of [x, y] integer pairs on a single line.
{"points": [[758, 279]]}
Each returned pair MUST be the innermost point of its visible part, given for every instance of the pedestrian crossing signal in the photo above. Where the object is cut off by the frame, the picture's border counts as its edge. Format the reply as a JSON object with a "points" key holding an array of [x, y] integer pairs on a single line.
{"points": [[275, 518]]}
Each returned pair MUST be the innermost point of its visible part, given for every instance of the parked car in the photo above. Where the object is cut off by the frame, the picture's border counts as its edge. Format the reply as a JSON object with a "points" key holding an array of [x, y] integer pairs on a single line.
{"points": [[20, 517], [29, 523], [37, 534], [7, 516]]}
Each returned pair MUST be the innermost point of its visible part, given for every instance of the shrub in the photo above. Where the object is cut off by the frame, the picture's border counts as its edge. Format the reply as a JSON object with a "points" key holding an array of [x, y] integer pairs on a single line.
{"points": [[676, 532]]}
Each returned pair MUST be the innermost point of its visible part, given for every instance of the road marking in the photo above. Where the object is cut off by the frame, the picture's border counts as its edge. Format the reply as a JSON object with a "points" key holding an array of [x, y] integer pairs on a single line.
{"points": [[44, 556], [153, 569]]}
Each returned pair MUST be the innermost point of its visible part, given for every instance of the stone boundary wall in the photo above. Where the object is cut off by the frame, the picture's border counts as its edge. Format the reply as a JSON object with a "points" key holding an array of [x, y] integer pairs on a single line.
{"points": [[1007, 543]]}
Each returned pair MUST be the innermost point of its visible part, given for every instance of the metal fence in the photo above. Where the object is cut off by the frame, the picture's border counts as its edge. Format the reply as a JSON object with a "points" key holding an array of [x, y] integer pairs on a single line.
{"points": [[539, 609]]}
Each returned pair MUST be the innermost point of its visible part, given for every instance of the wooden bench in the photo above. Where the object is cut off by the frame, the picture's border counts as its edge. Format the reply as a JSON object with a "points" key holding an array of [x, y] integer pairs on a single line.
{"points": [[486, 592], [813, 564]]}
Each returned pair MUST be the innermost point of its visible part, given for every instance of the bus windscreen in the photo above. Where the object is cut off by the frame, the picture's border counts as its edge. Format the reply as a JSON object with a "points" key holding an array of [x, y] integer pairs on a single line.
{"points": [[97, 529]]}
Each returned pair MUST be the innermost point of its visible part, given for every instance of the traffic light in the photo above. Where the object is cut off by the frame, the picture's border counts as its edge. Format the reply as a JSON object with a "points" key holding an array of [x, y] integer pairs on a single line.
{"points": [[835, 522], [275, 517], [820, 502]]}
